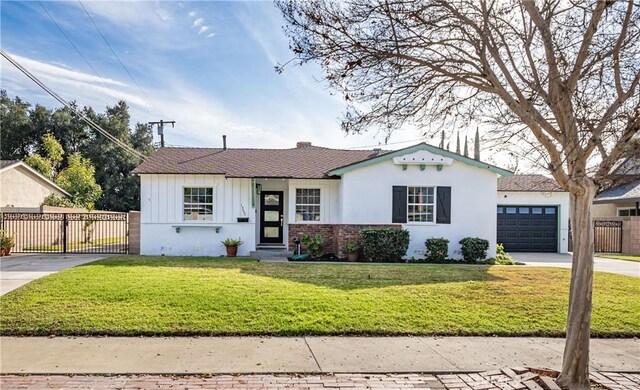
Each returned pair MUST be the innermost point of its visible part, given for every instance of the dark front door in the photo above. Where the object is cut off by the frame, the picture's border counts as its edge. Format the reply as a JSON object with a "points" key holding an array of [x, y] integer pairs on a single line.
{"points": [[271, 217], [528, 228]]}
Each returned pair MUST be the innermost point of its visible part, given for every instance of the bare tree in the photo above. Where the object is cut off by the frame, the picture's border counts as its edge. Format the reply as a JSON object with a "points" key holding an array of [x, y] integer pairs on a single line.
{"points": [[562, 75]]}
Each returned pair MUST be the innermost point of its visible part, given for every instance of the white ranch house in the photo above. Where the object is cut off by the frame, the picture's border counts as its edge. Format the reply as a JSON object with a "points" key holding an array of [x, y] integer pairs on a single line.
{"points": [[193, 198]]}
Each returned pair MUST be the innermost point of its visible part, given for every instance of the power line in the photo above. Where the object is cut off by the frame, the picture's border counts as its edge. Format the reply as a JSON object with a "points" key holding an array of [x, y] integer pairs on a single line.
{"points": [[118, 58], [68, 39], [70, 107]]}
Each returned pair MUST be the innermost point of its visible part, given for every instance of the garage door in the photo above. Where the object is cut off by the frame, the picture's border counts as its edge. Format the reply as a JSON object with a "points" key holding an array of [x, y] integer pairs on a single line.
{"points": [[528, 228]]}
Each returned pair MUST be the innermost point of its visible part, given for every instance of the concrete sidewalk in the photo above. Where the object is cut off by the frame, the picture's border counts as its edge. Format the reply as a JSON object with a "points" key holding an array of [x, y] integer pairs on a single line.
{"points": [[239, 355]]}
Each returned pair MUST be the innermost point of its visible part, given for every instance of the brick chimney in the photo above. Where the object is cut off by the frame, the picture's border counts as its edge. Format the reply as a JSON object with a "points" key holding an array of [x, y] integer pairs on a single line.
{"points": [[302, 144]]}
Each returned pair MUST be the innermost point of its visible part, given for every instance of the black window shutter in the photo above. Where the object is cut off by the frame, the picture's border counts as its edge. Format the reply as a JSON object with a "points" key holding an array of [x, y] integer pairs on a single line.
{"points": [[399, 204], [443, 209]]}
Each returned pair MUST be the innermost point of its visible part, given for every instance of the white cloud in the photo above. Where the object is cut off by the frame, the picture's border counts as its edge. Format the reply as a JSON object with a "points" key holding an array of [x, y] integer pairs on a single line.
{"points": [[203, 29], [210, 35], [71, 85], [62, 71], [198, 22], [192, 14]]}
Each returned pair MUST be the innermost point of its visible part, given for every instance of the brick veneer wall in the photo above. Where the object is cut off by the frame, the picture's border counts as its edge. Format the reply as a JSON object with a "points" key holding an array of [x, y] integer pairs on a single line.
{"points": [[634, 234], [335, 236]]}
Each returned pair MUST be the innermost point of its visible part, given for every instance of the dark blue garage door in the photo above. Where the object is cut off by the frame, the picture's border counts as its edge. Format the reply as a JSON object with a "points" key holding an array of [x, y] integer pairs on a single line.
{"points": [[528, 228]]}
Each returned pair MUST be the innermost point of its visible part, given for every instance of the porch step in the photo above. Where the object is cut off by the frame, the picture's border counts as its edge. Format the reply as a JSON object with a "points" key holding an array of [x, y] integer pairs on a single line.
{"points": [[262, 254]]}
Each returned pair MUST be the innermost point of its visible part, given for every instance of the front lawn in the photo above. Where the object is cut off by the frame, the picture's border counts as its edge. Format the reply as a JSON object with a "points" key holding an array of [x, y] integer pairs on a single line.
{"points": [[619, 257], [136, 295]]}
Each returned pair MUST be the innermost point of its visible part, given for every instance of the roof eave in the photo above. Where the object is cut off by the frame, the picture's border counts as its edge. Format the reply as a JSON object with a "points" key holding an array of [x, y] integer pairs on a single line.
{"points": [[421, 146]]}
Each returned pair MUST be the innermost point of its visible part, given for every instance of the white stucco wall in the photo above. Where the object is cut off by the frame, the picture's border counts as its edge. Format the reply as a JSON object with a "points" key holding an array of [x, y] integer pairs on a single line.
{"points": [[161, 208], [21, 188], [560, 199], [366, 197]]}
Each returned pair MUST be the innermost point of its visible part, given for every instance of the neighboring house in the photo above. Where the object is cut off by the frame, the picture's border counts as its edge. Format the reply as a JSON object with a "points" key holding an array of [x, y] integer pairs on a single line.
{"points": [[192, 198], [22, 188], [622, 200], [533, 214]]}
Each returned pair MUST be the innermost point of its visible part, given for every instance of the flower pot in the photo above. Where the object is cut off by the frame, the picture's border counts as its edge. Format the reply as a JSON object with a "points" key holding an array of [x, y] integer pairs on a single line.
{"points": [[232, 251], [6, 251], [352, 256], [243, 219]]}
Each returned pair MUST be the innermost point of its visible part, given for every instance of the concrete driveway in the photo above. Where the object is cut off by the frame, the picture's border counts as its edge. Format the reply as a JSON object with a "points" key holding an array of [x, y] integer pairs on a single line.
{"points": [[19, 269], [563, 260]]}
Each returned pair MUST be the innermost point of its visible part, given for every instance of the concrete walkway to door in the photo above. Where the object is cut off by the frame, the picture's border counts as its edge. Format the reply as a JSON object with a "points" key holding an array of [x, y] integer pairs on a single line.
{"points": [[563, 260], [19, 269]]}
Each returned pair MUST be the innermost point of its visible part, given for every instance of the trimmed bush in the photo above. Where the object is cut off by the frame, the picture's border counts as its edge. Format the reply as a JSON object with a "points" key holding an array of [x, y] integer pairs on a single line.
{"points": [[384, 245], [474, 249], [437, 249], [313, 244]]}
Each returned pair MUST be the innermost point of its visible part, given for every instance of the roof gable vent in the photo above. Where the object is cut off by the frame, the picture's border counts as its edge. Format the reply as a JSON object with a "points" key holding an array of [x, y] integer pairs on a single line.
{"points": [[302, 144]]}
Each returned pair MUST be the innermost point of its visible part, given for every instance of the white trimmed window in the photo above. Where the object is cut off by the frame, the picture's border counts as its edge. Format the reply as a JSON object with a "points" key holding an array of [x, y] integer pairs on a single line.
{"points": [[308, 204], [420, 204], [198, 203], [627, 212]]}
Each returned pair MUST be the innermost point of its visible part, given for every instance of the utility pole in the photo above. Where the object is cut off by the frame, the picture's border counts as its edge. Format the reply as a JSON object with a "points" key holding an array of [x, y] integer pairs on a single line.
{"points": [[160, 125]]}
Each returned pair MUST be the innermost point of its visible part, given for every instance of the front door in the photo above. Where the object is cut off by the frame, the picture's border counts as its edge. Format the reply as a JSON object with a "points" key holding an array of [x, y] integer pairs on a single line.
{"points": [[271, 217]]}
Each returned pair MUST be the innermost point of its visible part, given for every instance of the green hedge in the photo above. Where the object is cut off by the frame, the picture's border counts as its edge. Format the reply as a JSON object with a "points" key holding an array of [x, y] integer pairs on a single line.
{"points": [[474, 248], [437, 249], [384, 245]]}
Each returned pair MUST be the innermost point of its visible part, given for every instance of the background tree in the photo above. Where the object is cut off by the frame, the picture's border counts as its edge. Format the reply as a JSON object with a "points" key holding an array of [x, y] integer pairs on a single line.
{"points": [[49, 158], [559, 77], [23, 128], [79, 181]]}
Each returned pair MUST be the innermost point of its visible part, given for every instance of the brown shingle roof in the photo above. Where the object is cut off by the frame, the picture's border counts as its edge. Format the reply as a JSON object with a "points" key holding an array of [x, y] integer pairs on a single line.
{"points": [[307, 162], [536, 183]]}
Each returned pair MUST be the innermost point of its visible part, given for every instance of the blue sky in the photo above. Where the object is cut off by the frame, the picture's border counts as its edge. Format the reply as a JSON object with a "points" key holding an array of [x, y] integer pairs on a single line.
{"points": [[207, 65]]}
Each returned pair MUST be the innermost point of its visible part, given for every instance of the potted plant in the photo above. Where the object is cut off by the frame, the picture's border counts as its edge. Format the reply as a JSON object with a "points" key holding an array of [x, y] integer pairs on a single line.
{"points": [[6, 243], [232, 246], [352, 248]]}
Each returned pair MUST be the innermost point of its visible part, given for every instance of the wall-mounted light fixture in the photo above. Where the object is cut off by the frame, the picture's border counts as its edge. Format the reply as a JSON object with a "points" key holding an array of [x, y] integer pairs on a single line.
{"points": [[258, 188]]}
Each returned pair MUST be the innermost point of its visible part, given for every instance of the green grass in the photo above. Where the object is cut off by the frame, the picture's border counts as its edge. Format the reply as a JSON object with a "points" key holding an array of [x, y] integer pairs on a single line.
{"points": [[619, 257], [77, 245], [133, 295]]}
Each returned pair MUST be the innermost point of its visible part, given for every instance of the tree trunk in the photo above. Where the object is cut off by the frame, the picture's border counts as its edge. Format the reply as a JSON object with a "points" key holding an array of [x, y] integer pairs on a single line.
{"points": [[575, 365]]}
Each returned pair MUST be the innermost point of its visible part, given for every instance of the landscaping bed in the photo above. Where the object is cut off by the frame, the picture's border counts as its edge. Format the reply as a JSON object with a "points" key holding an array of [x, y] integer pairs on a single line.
{"points": [[136, 295]]}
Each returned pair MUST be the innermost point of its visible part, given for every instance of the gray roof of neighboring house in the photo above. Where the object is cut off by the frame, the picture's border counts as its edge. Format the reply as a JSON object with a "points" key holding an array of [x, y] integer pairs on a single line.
{"points": [[6, 163], [629, 167], [629, 192], [528, 183]]}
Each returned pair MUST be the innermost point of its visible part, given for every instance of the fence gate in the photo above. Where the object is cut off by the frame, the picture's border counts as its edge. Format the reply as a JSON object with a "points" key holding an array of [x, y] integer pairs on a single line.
{"points": [[607, 236], [68, 233]]}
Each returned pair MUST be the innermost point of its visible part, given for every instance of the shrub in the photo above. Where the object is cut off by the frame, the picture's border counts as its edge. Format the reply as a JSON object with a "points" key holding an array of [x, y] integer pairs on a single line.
{"points": [[352, 247], [6, 241], [384, 245], [502, 257], [474, 249], [313, 244], [437, 249]]}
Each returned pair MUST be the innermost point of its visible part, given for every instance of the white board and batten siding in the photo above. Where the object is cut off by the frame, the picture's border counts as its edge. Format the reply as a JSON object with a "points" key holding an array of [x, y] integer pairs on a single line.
{"points": [[366, 198], [161, 204], [329, 199]]}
